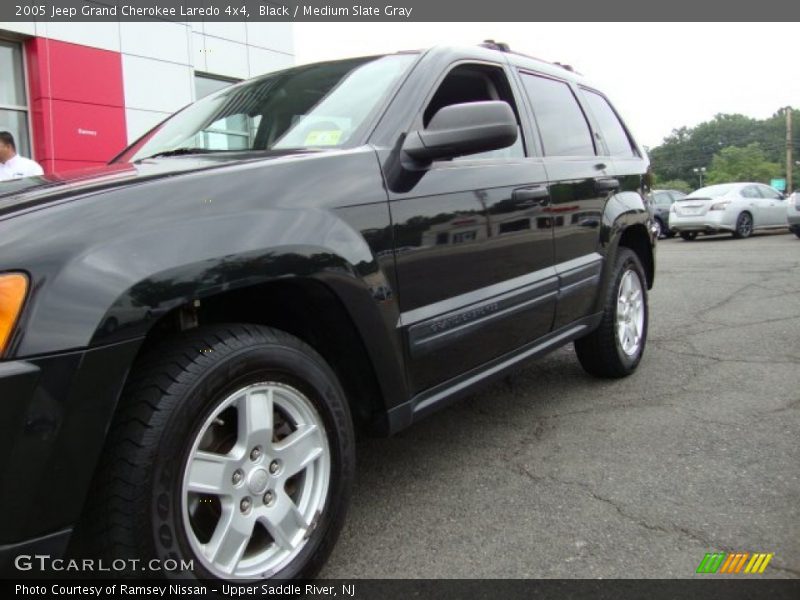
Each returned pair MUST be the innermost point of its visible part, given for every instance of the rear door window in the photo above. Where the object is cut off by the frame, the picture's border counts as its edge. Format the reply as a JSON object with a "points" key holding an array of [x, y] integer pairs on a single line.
{"points": [[612, 130], [562, 125], [750, 192], [769, 193]]}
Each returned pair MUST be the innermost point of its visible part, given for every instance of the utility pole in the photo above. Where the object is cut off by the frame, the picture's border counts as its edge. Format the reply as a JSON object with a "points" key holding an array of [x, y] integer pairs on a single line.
{"points": [[789, 161]]}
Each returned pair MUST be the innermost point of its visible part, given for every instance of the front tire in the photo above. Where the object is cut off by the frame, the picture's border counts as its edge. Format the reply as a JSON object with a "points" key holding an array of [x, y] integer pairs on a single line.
{"points": [[615, 348], [689, 236], [660, 229], [233, 448]]}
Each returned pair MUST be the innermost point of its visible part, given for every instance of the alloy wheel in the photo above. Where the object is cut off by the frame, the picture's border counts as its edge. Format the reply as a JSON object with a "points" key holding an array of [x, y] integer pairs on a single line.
{"points": [[630, 312], [255, 481], [744, 226]]}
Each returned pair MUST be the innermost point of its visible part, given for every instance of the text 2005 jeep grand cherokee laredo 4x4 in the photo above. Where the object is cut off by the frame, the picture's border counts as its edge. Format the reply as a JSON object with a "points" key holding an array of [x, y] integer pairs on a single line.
{"points": [[192, 334]]}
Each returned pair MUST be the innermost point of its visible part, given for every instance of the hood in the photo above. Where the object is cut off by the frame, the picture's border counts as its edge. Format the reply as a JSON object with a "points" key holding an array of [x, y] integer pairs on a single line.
{"points": [[31, 192]]}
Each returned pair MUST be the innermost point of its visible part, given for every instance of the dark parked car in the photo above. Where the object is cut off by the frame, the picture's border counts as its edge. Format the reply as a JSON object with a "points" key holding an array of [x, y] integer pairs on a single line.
{"points": [[191, 335], [660, 202]]}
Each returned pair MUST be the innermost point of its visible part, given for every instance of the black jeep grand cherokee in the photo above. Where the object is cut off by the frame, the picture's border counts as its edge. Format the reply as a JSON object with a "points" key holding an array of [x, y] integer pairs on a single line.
{"points": [[191, 335]]}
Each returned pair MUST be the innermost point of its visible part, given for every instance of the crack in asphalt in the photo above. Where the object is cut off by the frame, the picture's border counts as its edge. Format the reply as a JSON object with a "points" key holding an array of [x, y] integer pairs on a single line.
{"points": [[726, 359], [671, 529], [730, 297], [791, 406]]}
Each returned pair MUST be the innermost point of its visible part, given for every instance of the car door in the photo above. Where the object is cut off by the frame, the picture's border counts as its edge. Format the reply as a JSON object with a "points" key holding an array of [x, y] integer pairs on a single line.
{"points": [[473, 240], [775, 206], [756, 204], [580, 182]]}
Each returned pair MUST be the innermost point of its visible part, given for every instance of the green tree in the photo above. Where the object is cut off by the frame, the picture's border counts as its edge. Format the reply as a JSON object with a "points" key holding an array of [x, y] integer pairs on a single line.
{"points": [[742, 164], [674, 184], [687, 148]]}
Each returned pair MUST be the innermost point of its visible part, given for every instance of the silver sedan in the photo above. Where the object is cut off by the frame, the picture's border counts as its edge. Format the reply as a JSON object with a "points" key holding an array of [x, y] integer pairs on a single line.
{"points": [[737, 208], [793, 213]]}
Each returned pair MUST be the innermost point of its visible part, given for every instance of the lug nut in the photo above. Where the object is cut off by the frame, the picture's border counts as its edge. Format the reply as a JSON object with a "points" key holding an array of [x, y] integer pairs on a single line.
{"points": [[245, 504], [255, 454], [274, 467], [269, 497], [238, 476]]}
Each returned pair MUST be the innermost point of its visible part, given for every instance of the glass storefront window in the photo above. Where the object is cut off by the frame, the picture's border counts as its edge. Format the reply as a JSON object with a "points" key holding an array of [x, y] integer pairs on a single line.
{"points": [[13, 99], [16, 123], [12, 90]]}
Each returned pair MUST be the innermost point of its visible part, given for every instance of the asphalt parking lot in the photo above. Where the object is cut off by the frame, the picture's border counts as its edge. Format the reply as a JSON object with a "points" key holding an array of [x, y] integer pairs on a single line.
{"points": [[550, 473]]}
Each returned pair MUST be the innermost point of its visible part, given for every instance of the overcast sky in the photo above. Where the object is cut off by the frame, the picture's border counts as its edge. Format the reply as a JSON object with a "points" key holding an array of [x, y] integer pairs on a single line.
{"points": [[660, 76]]}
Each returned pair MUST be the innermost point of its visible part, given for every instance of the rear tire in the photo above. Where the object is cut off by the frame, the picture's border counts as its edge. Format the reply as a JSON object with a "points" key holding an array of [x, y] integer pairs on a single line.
{"points": [[232, 447], [689, 236], [744, 226], [615, 348]]}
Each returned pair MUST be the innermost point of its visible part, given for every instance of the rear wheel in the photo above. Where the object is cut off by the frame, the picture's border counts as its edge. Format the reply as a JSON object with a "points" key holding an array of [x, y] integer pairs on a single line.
{"points": [[689, 236], [797, 231], [615, 348], [232, 448], [744, 226]]}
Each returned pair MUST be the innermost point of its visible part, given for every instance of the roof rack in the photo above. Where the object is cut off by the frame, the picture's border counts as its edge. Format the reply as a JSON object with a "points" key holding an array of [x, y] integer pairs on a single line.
{"points": [[492, 45], [503, 47]]}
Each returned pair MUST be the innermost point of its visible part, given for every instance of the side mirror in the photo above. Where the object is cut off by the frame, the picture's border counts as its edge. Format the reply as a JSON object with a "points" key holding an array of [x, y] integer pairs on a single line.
{"points": [[460, 129]]}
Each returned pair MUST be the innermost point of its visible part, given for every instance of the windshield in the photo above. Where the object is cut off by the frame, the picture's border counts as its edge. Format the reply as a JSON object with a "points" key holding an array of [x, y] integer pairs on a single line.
{"points": [[312, 106], [711, 191]]}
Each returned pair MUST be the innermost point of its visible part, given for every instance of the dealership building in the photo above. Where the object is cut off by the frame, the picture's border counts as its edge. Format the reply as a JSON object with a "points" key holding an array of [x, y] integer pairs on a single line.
{"points": [[75, 94]]}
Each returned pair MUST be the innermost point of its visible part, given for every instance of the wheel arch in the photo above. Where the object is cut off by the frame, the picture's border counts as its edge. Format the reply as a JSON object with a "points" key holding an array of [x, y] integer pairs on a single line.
{"points": [[636, 238], [336, 315]]}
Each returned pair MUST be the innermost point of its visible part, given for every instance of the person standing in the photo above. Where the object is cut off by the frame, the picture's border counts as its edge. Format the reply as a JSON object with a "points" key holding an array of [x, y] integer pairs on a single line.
{"points": [[12, 165]]}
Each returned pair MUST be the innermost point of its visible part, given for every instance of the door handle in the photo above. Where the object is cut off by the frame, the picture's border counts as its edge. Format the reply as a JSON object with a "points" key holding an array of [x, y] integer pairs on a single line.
{"points": [[531, 196], [606, 184]]}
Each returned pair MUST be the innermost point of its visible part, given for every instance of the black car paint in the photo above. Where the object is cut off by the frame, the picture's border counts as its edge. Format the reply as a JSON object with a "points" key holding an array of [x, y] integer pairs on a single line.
{"points": [[111, 252]]}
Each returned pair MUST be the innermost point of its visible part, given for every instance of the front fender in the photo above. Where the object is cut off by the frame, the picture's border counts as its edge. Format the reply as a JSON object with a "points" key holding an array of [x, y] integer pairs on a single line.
{"points": [[115, 290]]}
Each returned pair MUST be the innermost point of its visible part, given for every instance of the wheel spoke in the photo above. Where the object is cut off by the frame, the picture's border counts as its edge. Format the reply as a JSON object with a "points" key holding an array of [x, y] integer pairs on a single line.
{"points": [[230, 538], [300, 449], [284, 522], [255, 418], [210, 473], [634, 332], [621, 306]]}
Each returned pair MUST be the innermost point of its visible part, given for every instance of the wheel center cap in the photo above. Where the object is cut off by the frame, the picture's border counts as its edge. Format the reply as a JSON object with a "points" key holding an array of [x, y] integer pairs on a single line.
{"points": [[257, 481]]}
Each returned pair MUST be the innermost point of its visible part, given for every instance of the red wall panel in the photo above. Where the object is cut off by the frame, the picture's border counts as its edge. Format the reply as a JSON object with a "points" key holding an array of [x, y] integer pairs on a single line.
{"points": [[79, 131], [77, 103]]}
